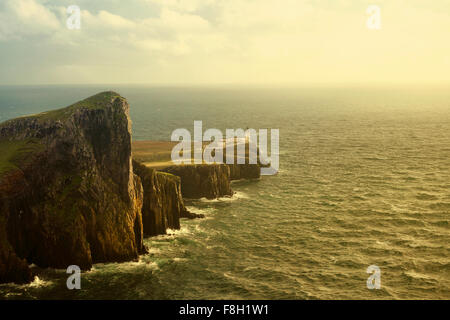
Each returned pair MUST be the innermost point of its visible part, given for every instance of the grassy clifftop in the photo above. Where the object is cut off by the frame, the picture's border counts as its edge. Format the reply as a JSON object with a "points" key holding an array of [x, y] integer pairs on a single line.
{"points": [[69, 195], [16, 151], [94, 102]]}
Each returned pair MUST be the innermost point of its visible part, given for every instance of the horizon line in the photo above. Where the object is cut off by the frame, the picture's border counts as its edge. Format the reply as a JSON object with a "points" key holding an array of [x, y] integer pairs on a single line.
{"points": [[234, 84]]}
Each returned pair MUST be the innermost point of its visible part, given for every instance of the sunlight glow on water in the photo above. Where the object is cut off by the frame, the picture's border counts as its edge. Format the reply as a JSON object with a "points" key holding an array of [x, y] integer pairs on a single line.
{"points": [[364, 180]]}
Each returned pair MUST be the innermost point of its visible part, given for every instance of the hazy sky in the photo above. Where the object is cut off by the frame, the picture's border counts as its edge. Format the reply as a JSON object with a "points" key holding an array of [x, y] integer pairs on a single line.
{"points": [[224, 41]]}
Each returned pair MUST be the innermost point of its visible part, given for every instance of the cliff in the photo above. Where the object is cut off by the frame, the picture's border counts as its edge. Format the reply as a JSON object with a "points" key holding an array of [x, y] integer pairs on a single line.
{"points": [[202, 180], [163, 204], [197, 181], [244, 171], [211, 180], [68, 194]]}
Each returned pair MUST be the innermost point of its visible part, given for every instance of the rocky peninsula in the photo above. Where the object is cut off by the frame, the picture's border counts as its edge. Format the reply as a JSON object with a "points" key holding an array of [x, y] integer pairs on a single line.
{"points": [[71, 194]]}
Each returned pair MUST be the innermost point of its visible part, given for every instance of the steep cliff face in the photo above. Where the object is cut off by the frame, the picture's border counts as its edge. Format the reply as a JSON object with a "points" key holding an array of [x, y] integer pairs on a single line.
{"points": [[244, 171], [68, 194], [163, 203], [198, 181], [212, 180], [12, 268]]}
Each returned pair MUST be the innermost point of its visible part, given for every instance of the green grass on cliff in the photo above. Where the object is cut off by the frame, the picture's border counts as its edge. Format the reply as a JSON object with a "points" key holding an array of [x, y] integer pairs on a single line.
{"points": [[15, 153], [95, 102]]}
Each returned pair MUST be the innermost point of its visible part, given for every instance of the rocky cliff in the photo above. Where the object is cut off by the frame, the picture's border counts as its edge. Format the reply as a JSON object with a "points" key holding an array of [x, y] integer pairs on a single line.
{"points": [[211, 180], [163, 202], [68, 194], [244, 171], [202, 180]]}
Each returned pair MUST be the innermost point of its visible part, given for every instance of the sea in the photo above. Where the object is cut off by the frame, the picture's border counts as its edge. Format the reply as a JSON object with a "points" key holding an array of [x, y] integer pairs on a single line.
{"points": [[364, 180]]}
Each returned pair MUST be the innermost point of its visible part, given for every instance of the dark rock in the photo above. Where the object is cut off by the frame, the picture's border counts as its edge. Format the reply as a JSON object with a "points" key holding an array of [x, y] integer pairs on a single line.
{"points": [[203, 180], [71, 195], [163, 202], [212, 180], [67, 189], [244, 171]]}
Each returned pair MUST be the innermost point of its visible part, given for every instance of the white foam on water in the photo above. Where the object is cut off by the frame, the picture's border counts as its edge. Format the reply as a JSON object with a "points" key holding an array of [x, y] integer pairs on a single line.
{"points": [[39, 283], [152, 265], [199, 229], [236, 196], [204, 211], [117, 267], [153, 250], [181, 231], [13, 294], [171, 233], [383, 244], [36, 283]]}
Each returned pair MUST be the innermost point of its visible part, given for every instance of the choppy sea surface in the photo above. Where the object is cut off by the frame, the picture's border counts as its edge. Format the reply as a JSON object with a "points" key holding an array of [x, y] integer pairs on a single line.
{"points": [[364, 180]]}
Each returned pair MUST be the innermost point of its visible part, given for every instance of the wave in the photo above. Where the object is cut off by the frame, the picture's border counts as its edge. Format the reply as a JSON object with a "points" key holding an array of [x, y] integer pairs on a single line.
{"points": [[205, 211], [39, 283], [440, 206], [35, 284], [118, 267], [426, 196], [236, 196], [421, 277], [171, 234]]}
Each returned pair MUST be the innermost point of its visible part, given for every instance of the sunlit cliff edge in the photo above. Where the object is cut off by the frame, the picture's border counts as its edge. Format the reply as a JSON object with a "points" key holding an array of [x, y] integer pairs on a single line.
{"points": [[70, 193]]}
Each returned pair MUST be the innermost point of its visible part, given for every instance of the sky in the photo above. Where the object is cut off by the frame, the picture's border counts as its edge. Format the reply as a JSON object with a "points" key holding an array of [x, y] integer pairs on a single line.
{"points": [[196, 42]]}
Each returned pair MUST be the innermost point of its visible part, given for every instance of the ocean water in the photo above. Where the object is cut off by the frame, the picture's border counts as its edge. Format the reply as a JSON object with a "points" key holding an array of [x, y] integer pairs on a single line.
{"points": [[364, 180]]}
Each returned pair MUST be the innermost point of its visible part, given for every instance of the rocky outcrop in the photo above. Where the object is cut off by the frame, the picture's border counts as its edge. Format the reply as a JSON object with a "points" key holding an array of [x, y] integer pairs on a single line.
{"points": [[203, 180], [68, 194], [244, 171], [211, 180], [12, 268], [163, 202]]}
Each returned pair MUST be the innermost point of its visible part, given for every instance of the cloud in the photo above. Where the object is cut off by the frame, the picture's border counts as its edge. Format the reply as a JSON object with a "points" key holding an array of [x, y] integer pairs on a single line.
{"points": [[229, 40], [107, 20], [182, 5], [169, 33], [21, 18]]}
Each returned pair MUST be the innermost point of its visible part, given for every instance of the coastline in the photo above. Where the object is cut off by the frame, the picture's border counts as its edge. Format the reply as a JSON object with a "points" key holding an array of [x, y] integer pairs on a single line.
{"points": [[80, 157]]}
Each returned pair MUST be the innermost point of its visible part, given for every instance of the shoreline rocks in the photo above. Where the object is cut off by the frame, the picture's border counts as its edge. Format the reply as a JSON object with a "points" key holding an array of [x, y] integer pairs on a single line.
{"points": [[163, 204], [73, 199], [211, 180], [70, 193], [203, 180]]}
